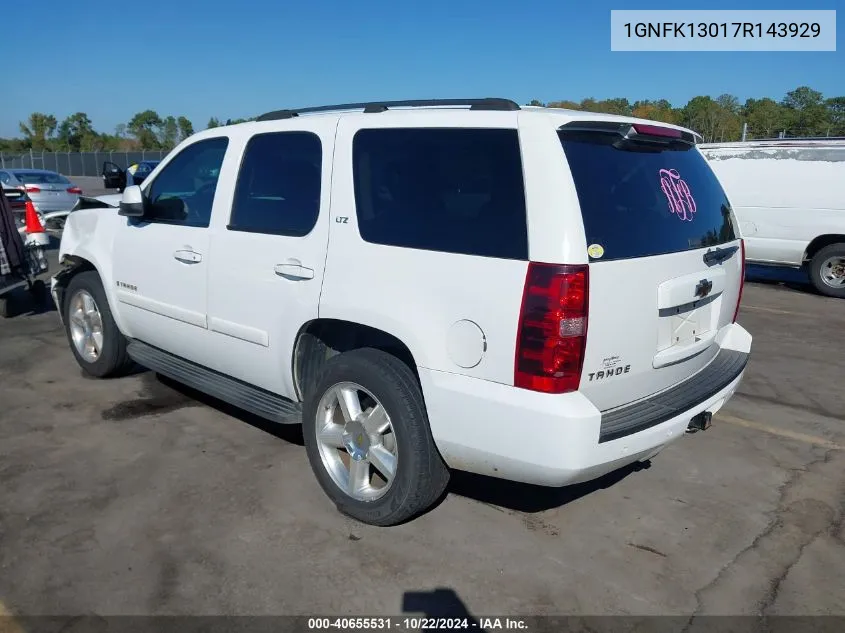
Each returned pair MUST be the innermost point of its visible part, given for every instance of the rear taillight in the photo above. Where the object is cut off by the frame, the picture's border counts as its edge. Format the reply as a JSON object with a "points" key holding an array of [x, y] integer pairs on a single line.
{"points": [[32, 189], [75, 190], [741, 278], [552, 330]]}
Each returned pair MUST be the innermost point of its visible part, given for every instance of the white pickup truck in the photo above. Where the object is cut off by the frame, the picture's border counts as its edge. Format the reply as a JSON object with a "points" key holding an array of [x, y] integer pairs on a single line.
{"points": [[527, 293], [789, 197]]}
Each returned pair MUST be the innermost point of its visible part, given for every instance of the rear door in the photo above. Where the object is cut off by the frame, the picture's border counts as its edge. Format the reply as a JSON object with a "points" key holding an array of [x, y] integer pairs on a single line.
{"points": [[268, 252], [665, 258]]}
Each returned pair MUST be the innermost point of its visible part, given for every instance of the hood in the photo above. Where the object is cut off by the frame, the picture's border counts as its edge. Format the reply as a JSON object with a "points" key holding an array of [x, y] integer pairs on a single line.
{"points": [[112, 199]]}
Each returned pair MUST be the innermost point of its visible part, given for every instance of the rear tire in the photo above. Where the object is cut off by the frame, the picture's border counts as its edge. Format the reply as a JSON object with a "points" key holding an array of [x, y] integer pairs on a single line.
{"points": [[101, 356], [827, 271], [5, 307], [419, 475]]}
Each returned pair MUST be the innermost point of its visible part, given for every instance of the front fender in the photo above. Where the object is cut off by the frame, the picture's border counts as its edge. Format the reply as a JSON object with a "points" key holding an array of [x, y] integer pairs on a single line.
{"points": [[87, 244]]}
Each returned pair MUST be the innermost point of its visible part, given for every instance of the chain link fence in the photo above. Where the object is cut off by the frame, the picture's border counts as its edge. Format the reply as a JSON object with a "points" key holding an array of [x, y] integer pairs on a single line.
{"points": [[75, 163]]}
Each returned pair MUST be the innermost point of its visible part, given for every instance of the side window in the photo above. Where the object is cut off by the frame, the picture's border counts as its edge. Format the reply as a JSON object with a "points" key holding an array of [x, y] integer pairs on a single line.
{"points": [[451, 190], [183, 192], [278, 189], [5, 178]]}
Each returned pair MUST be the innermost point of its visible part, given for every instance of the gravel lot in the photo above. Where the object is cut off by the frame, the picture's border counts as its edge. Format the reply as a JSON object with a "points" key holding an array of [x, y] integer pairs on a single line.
{"points": [[136, 496]]}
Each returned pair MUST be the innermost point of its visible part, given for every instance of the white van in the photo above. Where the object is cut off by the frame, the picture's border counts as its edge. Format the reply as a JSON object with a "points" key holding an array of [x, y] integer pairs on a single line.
{"points": [[789, 197]]}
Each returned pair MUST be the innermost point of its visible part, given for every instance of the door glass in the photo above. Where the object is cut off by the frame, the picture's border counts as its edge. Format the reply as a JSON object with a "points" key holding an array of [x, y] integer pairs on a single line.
{"points": [[183, 192], [278, 189]]}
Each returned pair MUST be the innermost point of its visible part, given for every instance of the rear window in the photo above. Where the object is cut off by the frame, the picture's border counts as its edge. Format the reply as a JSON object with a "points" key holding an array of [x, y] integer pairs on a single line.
{"points": [[452, 190], [41, 178], [638, 201]]}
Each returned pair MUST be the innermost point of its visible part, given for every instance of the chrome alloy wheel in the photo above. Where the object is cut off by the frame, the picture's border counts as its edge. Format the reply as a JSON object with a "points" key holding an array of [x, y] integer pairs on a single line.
{"points": [[833, 272], [356, 441], [86, 326]]}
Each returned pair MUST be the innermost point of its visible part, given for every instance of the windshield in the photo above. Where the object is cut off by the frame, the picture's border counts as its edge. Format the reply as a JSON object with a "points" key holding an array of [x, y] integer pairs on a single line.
{"points": [[41, 178], [641, 200]]}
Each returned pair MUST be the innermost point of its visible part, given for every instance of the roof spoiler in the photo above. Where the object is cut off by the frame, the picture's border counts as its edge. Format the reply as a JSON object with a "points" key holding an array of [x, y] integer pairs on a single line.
{"points": [[644, 133]]}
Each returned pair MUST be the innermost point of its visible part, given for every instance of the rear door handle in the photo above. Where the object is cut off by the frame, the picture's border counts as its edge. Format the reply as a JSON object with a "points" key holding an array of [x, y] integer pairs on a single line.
{"points": [[187, 257], [294, 271], [719, 255]]}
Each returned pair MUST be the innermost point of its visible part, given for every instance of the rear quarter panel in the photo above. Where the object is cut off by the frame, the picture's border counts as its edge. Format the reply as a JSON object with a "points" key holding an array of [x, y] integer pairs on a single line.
{"points": [[417, 295]]}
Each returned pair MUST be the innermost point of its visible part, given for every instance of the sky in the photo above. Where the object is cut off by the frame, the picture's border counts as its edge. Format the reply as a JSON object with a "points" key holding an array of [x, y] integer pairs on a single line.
{"points": [[240, 58]]}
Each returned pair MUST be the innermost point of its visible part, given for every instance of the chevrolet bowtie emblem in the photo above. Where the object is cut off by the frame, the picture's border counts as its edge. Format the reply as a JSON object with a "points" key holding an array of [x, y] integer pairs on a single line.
{"points": [[704, 287]]}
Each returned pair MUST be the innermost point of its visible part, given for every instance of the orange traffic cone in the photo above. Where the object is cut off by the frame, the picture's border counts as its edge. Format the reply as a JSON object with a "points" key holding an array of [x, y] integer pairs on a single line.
{"points": [[34, 229]]}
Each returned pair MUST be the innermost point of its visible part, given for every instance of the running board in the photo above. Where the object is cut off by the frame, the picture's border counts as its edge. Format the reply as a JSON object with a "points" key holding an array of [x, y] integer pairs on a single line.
{"points": [[258, 401]]}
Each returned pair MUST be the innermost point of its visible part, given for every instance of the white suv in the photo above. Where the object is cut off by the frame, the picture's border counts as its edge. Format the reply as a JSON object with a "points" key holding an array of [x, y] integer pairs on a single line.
{"points": [[533, 294]]}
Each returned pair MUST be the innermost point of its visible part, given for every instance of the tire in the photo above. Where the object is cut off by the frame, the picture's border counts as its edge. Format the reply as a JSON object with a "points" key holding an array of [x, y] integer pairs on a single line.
{"points": [[420, 475], [5, 307], [820, 265], [112, 358]]}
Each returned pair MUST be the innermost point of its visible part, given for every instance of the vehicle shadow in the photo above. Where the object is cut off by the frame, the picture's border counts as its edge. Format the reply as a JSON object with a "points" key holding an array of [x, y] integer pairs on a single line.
{"points": [[164, 394], [435, 604], [291, 433], [529, 498], [23, 302]]}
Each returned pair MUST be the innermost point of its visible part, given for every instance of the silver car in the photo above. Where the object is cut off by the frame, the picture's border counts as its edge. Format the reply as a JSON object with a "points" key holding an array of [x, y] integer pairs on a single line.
{"points": [[48, 190]]}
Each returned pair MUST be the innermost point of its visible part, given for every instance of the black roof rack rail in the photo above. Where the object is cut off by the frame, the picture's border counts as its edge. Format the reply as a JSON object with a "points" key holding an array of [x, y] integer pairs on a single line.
{"points": [[488, 103]]}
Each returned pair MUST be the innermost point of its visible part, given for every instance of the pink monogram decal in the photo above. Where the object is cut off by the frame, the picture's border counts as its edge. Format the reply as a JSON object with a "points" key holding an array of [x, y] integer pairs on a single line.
{"points": [[678, 195]]}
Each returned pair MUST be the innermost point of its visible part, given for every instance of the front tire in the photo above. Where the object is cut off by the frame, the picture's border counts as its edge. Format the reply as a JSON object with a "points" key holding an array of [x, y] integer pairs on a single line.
{"points": [[368, 440], [827, 271], [95, 340]]}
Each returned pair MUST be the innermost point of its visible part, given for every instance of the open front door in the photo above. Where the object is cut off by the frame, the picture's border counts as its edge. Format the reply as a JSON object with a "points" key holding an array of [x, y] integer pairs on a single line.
{"points": [[113, 176]]}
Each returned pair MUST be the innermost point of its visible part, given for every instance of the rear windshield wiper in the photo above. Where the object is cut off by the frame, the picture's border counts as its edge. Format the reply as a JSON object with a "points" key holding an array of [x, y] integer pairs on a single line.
{"points": [[719, 255]]}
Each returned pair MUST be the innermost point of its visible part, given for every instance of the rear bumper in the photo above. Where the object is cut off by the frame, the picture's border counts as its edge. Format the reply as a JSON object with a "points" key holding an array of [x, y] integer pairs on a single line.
{"points": [[498, 430]]}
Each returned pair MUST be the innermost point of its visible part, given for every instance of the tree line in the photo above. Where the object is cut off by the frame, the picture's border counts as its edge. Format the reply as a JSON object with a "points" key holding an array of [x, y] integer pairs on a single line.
{"points": [[76, 133], [801, 112]]}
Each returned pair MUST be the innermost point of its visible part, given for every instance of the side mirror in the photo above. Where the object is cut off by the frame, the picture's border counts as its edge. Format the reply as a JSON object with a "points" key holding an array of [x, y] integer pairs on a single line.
{"points": [[132, 204]]}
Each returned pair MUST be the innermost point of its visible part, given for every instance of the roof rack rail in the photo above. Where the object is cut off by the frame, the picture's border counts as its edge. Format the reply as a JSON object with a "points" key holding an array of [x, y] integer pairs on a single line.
{"points": [[489, 103]]}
